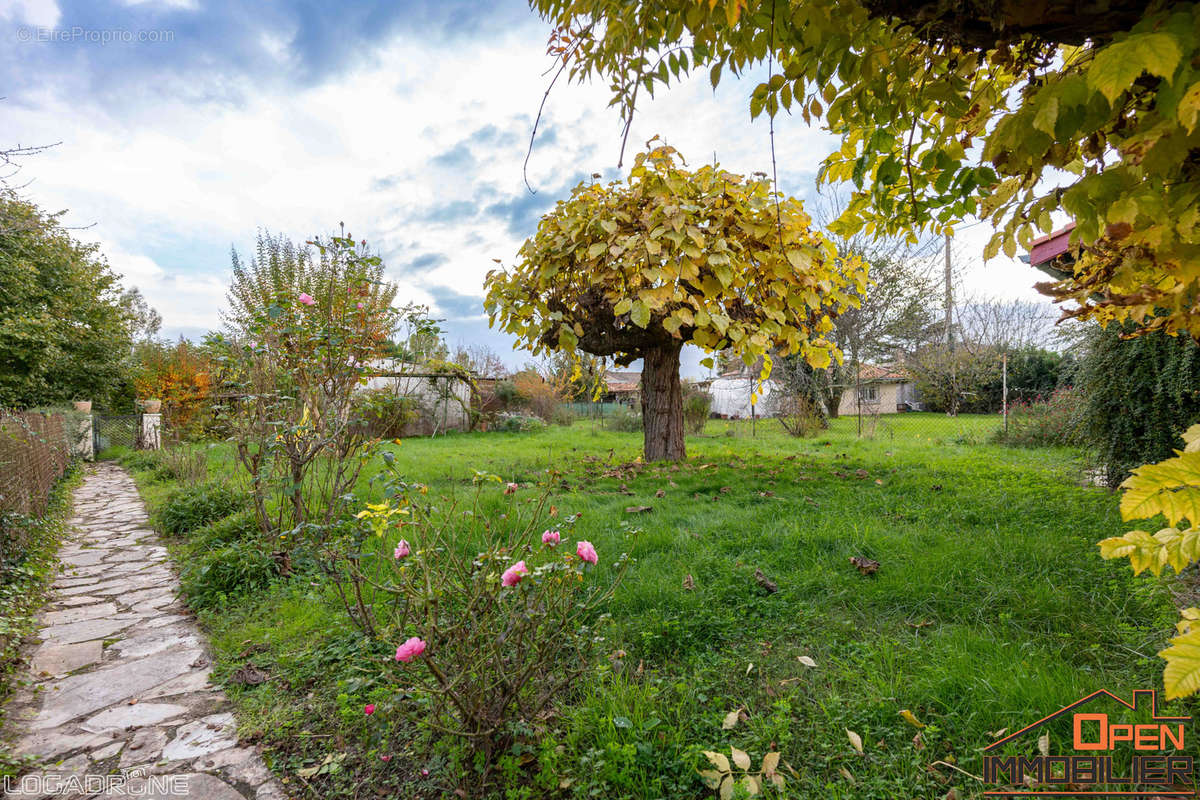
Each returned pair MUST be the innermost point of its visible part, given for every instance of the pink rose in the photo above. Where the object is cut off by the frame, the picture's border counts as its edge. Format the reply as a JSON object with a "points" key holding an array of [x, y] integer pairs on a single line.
{"points": [[410, 649], [306, 299], [359, 306], [512, 576], [385, 758], [402, 550], [551, 538], [586, 552], [369, 709]]}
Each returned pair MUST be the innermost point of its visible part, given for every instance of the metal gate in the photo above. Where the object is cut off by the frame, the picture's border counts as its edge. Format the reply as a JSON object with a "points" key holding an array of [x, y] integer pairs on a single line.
{"points": [[116, 430]]}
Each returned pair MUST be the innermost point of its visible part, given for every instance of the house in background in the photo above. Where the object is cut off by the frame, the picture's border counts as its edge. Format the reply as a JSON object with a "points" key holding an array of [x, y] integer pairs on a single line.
{"points": [[880, 390], [622, 387]]}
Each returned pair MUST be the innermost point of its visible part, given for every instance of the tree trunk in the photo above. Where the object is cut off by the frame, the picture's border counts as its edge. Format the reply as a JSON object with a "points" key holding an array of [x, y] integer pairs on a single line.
{"points": [[662, 405]]}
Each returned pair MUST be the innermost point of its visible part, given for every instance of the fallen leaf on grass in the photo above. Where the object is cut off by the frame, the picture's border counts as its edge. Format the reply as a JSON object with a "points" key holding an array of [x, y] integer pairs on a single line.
{"points": [[866, 566], [688, 582], [248, 675], [855, 741], [638, 509], [911, 718], [660, 493], [806, 661], [846, 774], [731, 720], [762, 580]]}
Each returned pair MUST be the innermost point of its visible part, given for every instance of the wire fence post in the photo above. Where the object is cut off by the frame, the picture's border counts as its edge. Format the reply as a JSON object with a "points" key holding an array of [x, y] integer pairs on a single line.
{"points": [[1004, 389]]}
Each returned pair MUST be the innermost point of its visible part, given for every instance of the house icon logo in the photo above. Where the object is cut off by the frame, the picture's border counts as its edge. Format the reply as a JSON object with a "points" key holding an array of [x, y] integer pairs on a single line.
{"points": [[1107, 748]]}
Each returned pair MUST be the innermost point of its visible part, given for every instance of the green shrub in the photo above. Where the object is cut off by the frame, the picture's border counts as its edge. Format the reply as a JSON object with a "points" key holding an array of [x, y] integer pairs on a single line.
{"points": [[696, 407], [562, 415], [233, 570], [1053, 422], [136, 460], [239, 527], [624, 420], [384, 413], [1138, 394], [518, 423], [193, 507]]}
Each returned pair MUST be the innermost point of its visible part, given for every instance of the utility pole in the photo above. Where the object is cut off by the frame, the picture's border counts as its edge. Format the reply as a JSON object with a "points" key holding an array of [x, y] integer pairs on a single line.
{"points": [[949, 298], [953, 410]]}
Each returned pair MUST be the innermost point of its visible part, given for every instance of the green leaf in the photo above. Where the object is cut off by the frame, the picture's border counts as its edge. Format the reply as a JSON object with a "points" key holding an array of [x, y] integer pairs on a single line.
{"points": [[596, 249], [1118, 65], [623, 305], [1046, 115], [640, 314]]}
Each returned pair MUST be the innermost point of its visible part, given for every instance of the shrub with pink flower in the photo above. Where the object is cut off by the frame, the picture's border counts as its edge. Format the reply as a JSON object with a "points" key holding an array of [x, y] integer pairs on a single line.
{"points": [[306, 299], [402, 550], [490, 658], [512, 576], [412, 648], [369, 709], [587, 552]]}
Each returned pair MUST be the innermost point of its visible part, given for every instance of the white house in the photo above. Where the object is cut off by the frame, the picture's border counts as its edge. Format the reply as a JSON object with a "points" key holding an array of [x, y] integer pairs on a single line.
{"points": [[444, 400], [880, 390]]}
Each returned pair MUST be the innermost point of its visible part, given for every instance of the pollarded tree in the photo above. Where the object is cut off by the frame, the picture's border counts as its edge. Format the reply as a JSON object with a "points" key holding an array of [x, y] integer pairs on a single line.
{"points": [[673, 256]]}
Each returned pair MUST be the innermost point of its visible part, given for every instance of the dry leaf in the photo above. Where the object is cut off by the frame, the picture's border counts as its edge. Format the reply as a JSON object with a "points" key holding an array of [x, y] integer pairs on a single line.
{"points": [[688, 582], [554, 511], [762, 580], [911, 719], [660, 493], [855, 741], [1044, 743], [740, 757], [918, 741], [718, 760], [806, 661], [731, 720], [864, 565], [846, 774], [638, 509]]}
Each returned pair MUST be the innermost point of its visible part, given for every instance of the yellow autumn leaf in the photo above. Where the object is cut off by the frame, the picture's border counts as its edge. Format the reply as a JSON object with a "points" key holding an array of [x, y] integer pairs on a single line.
{"points": [[911, 718], [1181, 676], [855, 741]]}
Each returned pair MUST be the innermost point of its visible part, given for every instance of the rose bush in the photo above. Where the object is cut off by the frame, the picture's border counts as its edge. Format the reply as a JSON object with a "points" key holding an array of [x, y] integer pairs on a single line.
{"points": [[496, 621]]}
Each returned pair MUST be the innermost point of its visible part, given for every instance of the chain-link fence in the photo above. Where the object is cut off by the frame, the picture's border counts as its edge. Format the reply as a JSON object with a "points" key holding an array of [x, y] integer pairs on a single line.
{"points": [[34, 452], [116, 430]]}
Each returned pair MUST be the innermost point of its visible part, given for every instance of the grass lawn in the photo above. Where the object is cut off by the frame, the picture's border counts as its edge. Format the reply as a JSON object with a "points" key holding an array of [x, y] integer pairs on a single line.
{"points": [[990, 609]]}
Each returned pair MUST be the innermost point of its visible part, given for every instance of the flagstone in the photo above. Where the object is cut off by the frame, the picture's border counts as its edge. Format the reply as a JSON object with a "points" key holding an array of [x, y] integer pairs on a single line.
{"points": [[59, 659]]}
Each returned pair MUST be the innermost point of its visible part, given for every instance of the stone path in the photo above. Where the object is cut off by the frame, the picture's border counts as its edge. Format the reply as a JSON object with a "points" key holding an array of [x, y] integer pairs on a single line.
{"points": [[120, 682]]}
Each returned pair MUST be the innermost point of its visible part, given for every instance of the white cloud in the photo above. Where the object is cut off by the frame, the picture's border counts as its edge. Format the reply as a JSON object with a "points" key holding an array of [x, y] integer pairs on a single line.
{"points": [[171, 183], [39, 13]]}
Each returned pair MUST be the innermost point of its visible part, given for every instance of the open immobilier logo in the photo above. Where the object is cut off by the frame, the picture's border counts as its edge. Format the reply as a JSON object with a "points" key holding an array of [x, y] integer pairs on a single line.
{"points": [[1118, 749]]}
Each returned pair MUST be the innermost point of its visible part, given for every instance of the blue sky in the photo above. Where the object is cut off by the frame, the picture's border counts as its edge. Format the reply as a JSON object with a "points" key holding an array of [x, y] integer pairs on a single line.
{"points": [[185, 126]]}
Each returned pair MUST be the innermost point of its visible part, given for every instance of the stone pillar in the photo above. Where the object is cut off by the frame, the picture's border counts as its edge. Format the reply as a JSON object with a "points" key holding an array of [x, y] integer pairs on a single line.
{"points": [[149, 438], [84, 445]]}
